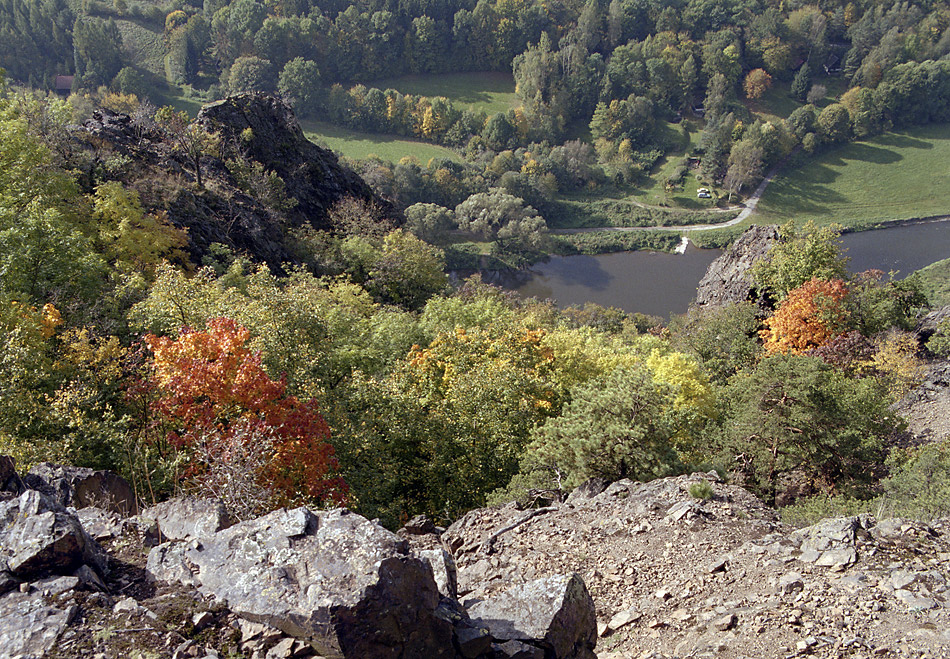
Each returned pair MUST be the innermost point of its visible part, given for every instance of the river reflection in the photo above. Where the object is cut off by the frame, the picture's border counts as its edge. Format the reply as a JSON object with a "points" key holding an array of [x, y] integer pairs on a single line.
{"points": [[663, 284]]}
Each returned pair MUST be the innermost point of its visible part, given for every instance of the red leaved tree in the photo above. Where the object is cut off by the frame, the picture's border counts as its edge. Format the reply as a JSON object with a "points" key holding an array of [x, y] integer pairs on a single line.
{"points": [[225, 410]]}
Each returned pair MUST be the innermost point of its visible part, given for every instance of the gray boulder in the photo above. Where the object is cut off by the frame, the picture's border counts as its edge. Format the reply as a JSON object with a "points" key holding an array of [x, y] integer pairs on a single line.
{"points": [[555, 613], [444, 571], [30, 627], [79, 487], [187, 517], [38, 537], [331, 578]]}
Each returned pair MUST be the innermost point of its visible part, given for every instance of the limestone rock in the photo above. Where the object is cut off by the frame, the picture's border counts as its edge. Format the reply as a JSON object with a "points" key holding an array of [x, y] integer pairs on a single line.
{"points": [[79, 487], [183, 518], [38, 537], [330, 578], [557, 613], [727, 280]]}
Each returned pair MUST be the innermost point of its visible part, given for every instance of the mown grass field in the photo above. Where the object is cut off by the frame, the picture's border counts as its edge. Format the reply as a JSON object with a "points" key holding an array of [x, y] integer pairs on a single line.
{"points": [[489, 92], [357, 145], [895, 176]]}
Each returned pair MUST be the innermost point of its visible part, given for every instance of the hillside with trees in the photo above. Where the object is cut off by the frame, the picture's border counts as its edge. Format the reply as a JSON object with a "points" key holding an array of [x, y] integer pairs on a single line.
{"points": [[351, 370]]}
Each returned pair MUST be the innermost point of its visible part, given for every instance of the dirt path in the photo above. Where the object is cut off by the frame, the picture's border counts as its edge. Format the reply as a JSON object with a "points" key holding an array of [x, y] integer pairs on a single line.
{"points": [[748, 208]]}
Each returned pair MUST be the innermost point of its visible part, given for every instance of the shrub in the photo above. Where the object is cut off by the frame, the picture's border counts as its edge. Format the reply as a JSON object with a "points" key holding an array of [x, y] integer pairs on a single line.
{"points": [[701, 490]]}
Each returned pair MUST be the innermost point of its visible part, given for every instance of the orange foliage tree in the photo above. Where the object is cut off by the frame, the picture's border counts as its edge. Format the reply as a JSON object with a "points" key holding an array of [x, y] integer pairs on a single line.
{"points": [[757, 82], [214, 392], [811, 315]]}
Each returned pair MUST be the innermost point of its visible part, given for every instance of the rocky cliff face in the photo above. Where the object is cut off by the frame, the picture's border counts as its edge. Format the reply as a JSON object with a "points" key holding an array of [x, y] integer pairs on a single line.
{"points": [[727, 280], [221, 211]]}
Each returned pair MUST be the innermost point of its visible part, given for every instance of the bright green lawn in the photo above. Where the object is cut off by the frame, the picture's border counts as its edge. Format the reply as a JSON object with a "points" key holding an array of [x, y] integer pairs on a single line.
{"points": [[489, 92], [356, 145], [893, 176]]}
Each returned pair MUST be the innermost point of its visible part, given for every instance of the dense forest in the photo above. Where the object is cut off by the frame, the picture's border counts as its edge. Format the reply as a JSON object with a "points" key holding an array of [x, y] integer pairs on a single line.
{"points": [[601, 88], [348, 368]]}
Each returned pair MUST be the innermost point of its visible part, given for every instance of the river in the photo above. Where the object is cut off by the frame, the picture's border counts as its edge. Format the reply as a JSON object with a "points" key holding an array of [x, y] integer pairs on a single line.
{"points": [[662, 284]]}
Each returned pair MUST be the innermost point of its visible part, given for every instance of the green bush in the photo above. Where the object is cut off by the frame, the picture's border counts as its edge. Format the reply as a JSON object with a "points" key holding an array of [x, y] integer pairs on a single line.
{"points": [[701, 490]]}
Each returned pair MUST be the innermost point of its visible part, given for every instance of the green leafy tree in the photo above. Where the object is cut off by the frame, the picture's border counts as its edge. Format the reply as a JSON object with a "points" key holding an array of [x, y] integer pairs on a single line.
{"points": [[250, 74], [299, 84], [429, 222], [615, 427], [834, 123], [802, 254], [408, 271], [796, 414]]}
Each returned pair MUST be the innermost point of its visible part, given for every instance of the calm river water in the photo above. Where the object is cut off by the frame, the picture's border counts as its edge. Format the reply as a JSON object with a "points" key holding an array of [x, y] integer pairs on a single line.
{"points": [[661, 284]]}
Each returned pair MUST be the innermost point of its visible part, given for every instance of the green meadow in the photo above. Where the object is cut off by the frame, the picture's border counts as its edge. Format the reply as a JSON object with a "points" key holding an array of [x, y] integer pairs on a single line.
{"points": [[356, 145], [489, 92], [895, 176]]}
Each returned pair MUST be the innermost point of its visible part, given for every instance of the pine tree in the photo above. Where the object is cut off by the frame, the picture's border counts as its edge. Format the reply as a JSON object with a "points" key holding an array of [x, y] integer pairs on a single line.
{"points": [[801, 83]]}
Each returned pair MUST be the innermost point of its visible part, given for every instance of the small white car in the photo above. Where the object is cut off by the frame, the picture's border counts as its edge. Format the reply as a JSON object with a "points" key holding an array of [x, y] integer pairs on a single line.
{"points": [[703, 193]]}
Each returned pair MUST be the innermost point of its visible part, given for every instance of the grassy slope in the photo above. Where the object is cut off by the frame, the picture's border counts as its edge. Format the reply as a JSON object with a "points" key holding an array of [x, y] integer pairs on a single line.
{"points": [[488, 92], [142, 46], [892, 176], [935, 279], [354, 144]]}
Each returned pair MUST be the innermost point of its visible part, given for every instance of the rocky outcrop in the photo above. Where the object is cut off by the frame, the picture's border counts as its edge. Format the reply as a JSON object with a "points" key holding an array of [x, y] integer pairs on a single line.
{"points": [[221, 211], [313, 176], [79, 487], [38, 537], [927, 326], [727, 280], [555, 614], [333, 579]]}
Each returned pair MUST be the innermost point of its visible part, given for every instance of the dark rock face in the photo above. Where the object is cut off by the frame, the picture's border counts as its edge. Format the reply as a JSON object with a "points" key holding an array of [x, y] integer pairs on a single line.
{"points": [[927, 326], [312, 175], [10, 483], [333, 579], [187, 517], [221, 212], [80, 487], [727, 280], [555, 613], [38, 536]]}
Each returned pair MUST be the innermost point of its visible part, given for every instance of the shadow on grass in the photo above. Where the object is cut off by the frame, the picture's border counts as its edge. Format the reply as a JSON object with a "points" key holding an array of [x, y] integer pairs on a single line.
{"points": [[866, 153], [799, 193], [904, 141]]}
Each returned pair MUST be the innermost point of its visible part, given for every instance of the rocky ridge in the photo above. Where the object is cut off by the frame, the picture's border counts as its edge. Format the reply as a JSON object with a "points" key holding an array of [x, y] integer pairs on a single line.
{"points": [[727, 279], [678, 567], [222, 212]]}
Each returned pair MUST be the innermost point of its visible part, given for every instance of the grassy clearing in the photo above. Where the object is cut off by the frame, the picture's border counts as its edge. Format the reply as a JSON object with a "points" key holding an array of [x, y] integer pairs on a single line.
{"points": [[895, 176], [356, 145], [142, 46], [489, 92]]}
